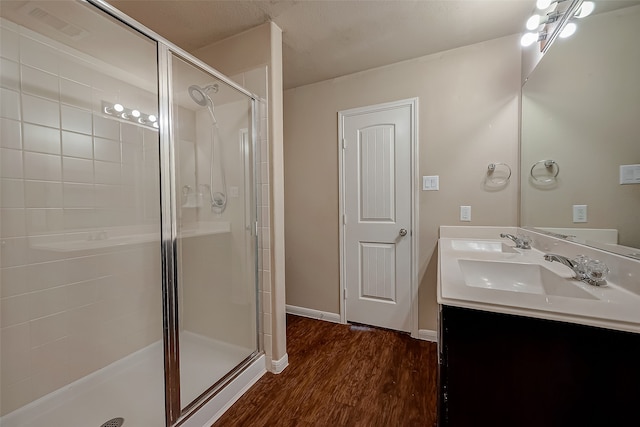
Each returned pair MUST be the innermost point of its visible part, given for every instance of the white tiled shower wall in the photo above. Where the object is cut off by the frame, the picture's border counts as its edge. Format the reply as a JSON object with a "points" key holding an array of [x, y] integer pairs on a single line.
{"points": [[256, 82], [264, 230], [69, 172], [217, 277]]}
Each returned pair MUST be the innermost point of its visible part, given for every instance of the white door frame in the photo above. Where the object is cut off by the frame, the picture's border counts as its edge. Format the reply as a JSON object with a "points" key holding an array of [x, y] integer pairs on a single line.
{"points": [[412, 103]]}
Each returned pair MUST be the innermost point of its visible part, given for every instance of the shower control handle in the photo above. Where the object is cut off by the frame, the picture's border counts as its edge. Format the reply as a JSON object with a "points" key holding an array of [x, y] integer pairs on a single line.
{"points": [[403, 232]]}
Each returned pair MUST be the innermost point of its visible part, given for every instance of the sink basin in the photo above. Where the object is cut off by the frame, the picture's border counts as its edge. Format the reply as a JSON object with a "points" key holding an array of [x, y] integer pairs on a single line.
{"points": [[481, 246], [519, 277]]}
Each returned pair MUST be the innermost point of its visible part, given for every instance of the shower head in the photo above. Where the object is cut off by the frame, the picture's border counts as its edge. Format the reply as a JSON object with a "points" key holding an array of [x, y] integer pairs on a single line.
{"points": [[199, 94]]}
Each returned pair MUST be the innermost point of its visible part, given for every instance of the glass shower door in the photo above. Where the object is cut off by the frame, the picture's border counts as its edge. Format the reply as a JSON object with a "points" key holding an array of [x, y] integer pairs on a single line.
{"points": [[214, 221], [80, 291]]}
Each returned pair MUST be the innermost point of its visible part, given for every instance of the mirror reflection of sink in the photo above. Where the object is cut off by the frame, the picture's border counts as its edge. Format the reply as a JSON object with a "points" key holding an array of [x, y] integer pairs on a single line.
{"points": [[482, 246], [519, 277]]}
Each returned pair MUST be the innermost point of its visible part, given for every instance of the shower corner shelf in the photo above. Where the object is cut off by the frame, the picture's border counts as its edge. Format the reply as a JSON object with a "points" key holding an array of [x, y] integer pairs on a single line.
{"points": [[192, 200], [191, 204], [205, 229]]}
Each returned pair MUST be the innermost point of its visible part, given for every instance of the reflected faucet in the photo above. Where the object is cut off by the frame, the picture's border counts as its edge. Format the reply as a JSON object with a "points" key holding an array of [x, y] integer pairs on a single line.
{"points": [[587, 270], [521, 242]]}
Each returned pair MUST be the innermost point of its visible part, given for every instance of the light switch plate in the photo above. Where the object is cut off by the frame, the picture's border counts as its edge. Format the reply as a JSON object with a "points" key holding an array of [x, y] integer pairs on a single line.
{"points": [[579, 213], [465, 213], [629, 174], [431, 183]]}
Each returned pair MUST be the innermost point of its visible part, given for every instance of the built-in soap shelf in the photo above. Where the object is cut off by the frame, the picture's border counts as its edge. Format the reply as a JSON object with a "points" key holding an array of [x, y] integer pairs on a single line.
{"points": [[116, 237], [192, 199], [204, 229]]}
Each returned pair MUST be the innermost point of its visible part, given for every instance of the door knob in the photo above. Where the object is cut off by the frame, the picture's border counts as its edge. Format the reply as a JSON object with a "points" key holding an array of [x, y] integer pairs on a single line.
{"points": [[403, 232]]}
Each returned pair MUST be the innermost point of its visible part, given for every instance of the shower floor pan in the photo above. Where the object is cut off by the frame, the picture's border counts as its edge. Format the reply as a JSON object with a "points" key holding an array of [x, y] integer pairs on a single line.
{"points": [[131, 388]]}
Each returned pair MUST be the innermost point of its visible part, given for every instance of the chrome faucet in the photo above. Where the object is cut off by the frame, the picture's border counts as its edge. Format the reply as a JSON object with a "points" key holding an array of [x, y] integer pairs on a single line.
{"points": [[566, 261], [521, 242], [586, 270]]}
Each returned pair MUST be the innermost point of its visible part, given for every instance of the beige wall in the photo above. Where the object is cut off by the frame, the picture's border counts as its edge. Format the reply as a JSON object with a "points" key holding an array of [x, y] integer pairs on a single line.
{"points": [[581, 108], [261, 47], [468, 118]]}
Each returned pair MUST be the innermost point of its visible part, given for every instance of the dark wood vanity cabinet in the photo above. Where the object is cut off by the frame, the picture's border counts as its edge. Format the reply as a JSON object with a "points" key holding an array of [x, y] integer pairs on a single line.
{"points": [[505, 370]]}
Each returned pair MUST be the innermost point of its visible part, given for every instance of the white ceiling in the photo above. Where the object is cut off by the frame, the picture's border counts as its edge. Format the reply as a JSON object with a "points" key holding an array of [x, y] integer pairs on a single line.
{"points": [[323, 39]]}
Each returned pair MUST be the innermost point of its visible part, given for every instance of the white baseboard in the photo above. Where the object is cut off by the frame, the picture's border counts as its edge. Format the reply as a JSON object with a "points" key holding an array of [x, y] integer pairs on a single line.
{"points": [[427, 335], [314, 314], [277, 366]]}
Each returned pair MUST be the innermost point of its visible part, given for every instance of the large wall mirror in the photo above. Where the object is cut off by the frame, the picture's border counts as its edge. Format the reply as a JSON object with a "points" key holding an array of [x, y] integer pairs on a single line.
{"points": [[580, 125]]}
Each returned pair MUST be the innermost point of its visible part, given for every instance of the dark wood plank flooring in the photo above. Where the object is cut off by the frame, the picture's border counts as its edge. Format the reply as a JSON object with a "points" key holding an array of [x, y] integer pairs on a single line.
{"points": [[343, 375]]}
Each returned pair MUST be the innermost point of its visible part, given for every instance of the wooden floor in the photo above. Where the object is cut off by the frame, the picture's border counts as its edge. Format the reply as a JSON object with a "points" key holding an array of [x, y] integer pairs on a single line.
{"points": [[343, 375]]}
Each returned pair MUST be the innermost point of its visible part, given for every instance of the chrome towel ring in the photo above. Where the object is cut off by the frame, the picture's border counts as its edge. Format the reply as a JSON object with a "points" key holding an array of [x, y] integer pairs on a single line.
{"points": [[492, 167], [549, 165]]}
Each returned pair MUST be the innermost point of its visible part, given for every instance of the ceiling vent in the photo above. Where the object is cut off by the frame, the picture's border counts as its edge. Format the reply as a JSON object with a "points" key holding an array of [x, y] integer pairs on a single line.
{"points": [[69, 30]]}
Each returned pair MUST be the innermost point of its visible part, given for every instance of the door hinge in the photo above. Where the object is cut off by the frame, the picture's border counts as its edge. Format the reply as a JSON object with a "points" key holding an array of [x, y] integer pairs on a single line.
{"points": [[344, 143], [255, 228], [344, 219], [345, 293]]}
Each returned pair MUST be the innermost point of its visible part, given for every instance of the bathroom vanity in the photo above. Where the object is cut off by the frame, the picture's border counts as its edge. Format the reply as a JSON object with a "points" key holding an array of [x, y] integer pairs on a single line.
{"points": [[521, 343]]}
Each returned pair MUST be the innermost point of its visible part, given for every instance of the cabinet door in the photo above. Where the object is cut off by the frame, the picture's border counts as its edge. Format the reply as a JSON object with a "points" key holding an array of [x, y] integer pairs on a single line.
{"points": [[504, 370]]}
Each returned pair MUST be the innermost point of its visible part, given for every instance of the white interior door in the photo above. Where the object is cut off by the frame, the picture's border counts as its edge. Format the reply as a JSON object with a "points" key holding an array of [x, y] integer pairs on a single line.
{"points": [[377, 234]]}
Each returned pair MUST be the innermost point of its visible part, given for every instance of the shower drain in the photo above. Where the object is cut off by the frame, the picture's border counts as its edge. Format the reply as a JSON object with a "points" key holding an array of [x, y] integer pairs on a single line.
{"points": [[114, 422]]}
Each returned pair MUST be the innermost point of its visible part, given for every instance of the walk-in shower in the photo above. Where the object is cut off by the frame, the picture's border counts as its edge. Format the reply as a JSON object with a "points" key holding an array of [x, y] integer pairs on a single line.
{"points": [[217, 183], [122, 302]]}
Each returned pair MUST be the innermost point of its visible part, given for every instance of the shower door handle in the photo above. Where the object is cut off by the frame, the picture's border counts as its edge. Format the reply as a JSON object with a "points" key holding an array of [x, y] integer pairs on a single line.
{"points": [[403, 232]]}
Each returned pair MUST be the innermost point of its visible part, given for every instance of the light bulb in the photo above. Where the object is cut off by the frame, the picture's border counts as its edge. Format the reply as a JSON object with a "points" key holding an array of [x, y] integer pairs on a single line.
{"points": [[533, 22], [155, 125], [152, 118], [135, 113], [118, 107], [568, 30], [586, 9], [543, 4], [528, 39]]}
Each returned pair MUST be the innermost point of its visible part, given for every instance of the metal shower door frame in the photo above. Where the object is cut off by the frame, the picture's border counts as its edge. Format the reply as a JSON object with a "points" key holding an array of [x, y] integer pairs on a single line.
{"points": [[174, 414]]}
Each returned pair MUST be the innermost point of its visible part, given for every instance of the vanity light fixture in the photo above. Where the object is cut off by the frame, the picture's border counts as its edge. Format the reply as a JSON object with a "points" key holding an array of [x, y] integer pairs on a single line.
{"points": [[129, 114], [530, 38], [112, 109], [535, 21], [568, 30], [538, 23], [585, 10], [543, 4]]}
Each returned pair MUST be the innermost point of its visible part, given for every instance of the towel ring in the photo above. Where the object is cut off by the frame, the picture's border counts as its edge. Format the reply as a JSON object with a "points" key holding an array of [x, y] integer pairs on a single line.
{"points": [[492, 167], [549, 164]]}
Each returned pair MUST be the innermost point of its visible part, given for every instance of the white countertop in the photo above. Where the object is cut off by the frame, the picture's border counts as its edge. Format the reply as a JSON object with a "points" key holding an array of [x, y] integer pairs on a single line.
{"points": [[614, 306]]}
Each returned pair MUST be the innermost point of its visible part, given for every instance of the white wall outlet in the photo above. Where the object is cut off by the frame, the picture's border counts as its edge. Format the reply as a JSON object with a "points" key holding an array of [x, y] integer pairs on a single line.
{"points": [[579, 213], [234, 191], [465, 213], [431, 183], [629, 174]]}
